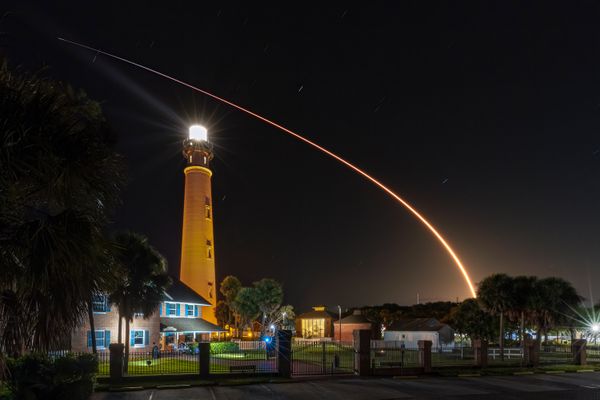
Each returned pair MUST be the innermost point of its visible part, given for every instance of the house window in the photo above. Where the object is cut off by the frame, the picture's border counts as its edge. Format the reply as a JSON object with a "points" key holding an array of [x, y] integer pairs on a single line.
{"points": [[102, 339], [189, 310], [313, 328], [100, 303], [137, 338], [171, 309]]}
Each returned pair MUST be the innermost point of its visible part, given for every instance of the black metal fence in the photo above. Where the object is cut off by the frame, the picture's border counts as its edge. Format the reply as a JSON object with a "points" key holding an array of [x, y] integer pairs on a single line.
{"points": [[395, 358], [162, 363], [593, 353], [322, 358], [248, 358], [555, 354]]}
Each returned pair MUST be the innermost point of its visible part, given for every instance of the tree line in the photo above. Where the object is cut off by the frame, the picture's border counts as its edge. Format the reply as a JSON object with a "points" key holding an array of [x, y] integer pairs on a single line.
{"points": [[527, 304], [261, 302]]}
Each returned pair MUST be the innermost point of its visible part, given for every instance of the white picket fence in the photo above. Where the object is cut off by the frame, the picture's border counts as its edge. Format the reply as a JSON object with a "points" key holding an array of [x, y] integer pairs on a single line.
{"points": [[250, 344]]}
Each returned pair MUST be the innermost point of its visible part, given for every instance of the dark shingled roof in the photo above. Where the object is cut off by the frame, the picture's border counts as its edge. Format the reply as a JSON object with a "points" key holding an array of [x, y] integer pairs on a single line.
{"points": [[182, 293], [355, 318], [188, 325], [417, 324]]}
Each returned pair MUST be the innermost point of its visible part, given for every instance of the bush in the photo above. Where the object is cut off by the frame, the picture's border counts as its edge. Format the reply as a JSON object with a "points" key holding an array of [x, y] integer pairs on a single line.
{"points": [[37, 376], [224, 347]]}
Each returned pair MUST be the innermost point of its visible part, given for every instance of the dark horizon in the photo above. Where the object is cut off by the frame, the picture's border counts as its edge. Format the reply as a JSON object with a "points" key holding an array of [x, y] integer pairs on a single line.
{"points": [[484, 117]]}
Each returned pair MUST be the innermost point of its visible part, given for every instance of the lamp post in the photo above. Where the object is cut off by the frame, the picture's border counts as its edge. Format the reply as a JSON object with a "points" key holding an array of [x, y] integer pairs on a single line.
{"points": [[340, 322]]}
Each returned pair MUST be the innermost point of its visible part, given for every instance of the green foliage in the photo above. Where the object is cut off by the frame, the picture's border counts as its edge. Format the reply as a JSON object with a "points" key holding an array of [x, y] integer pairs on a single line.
{"points": [[142, 279], [230, 288], [224, 347], [268, 295], [223, 313], [60, 180], [36, 376], [470, 319], [246, 306]]}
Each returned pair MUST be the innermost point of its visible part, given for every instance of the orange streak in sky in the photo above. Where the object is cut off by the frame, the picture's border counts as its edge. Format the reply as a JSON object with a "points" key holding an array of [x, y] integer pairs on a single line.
{"points": [[313, 144]]}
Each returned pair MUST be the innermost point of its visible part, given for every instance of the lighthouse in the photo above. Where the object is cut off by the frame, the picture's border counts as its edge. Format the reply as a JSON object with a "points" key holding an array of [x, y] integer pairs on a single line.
{"points": [[197, 269]]}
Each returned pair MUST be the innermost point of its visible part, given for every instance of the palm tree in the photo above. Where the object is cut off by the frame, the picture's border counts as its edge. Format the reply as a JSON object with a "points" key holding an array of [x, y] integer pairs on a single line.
{"points": [[495, 294], [142, 281], [522, 287], [552, 301], [229, 288], [59, 182]]}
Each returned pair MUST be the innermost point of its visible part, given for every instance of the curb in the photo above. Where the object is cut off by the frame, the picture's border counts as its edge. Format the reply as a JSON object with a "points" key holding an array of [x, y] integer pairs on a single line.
{"points": [[555, 372], [585, 370], [125, 389], [523, 373], [468, 375], [405, 377], [177, 386]]}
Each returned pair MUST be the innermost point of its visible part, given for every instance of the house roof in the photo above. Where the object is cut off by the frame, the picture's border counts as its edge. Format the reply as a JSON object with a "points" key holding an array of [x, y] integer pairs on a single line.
{"points": [[168, 324], [355, 318], [182, 293], [317, 312], [417, 324]]}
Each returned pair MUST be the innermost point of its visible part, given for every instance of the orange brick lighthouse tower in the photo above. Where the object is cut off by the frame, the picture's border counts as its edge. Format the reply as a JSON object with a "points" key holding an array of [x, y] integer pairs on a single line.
{"points": [[197, 268]]}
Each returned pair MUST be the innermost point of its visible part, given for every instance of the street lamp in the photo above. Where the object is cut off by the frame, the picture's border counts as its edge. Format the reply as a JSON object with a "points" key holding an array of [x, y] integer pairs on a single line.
{"points": [[340, 322], [284, 322]]}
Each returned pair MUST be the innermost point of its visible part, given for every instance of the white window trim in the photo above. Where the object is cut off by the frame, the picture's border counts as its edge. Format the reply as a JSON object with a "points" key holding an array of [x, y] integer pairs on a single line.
{"points": [[167, 309], [185, 305], [105, 303], [103, 346], [143, 337]]}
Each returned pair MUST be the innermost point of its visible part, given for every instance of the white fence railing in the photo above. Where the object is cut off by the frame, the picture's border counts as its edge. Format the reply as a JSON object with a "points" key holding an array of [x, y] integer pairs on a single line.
{"points": [[509, 353], [250, 344]]}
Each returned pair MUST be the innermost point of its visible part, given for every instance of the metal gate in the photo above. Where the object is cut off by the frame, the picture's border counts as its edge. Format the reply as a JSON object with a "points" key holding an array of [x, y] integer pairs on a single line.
{"points": [[322, 358]]}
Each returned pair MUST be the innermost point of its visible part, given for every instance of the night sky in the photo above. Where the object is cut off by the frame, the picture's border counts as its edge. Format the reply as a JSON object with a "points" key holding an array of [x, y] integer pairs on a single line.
{"points": [[483, 115]]}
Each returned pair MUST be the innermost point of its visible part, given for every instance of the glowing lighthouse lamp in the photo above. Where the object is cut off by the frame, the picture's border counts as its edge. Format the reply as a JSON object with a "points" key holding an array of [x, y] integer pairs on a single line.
{"points": [[198, 132]]}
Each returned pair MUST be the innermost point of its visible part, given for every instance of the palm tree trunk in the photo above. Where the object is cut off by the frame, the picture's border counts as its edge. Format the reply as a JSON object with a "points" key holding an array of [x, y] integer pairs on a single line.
{"points": [[522, 328], [92, 326], [126, 363], [120, 328], [501, 337]]}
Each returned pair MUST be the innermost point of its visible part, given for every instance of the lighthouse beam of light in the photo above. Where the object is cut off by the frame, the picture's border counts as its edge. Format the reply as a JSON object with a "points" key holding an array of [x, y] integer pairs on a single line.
{"points": [[305, 140]]}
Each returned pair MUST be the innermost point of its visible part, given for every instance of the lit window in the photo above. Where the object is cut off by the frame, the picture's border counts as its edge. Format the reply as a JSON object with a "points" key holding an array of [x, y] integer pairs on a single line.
{"points": [[137, 338], [209, 249], [313, 328], [100, 303], [171, 309], [189, 310]]}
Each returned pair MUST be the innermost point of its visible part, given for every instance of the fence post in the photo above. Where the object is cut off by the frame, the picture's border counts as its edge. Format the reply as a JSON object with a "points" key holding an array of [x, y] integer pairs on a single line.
{"points": [[204, 359], [531, 355], [116, 362], [480, 348], [284, 353], [362, 351], [425, 355], [579, 350]]}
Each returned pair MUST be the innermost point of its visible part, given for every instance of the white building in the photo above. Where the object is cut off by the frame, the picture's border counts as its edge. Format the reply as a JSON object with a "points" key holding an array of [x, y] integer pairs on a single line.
{"points": [[409, 332]]}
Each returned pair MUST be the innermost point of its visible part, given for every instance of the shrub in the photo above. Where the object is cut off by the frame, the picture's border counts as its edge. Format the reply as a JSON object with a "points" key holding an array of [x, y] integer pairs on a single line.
{"points": [[224, 347], [37, 376]]}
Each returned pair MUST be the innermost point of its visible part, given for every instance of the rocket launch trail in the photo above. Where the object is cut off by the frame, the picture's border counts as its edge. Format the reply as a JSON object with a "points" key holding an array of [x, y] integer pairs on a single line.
{"points": [[396, 197]]}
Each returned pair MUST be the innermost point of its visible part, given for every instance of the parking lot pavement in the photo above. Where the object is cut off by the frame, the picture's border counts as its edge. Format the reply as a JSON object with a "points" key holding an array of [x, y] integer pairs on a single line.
{"points": [[547, 387]]}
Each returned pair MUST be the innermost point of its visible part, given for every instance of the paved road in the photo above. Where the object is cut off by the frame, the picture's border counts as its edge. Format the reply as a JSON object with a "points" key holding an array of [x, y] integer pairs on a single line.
{"points": [[547, 387]]}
